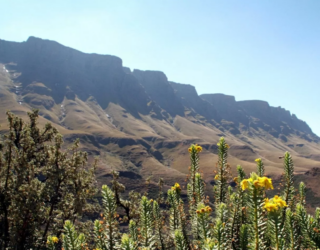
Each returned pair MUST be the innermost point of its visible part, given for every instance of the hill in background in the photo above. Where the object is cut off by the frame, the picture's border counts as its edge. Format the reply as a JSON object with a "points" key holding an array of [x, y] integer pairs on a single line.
{"points": [[140, 123]]}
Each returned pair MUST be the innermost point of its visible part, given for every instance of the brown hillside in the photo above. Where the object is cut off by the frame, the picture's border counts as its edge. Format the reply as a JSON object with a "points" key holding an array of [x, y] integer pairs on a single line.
{"points": [[141, 124]]}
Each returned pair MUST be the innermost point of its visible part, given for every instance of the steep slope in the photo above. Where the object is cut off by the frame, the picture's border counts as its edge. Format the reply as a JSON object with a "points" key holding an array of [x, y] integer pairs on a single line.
{"points": [[159, 89], [68, 73], [259, 118], [193, 103], [141, 124]]}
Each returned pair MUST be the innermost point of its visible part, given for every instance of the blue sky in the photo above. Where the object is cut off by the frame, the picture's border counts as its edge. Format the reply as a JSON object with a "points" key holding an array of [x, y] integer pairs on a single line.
{"points": [[266, 49]]}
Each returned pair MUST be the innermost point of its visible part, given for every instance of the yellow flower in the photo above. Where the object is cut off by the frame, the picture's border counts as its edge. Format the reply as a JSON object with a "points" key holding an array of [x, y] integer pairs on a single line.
{"points": [[216, 177], [279, 201], [199, 149], [256, 183], [190, 149], [245, 183], [258, 160], [265, 182], [208, 209], [204, 210], [177, 186], [270, 207], [55, 239], [274, 204]]}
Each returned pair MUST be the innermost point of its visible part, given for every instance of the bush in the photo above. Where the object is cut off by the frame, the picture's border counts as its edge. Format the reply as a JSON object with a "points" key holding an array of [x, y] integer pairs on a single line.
{"points": [[41, 185]]}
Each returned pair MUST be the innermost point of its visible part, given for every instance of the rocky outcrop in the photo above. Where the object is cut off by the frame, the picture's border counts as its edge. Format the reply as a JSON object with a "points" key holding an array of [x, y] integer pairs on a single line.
{"points": [[159, 89], [279, 119], [227, 108], [257, 114], [231, 118], [62, 69], [190, 99]]}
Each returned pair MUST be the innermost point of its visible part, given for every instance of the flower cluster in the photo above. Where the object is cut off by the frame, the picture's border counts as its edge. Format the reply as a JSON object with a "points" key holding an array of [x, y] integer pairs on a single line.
{"points": [[52, 240], [204, 210], [263, 182], [196, 147], [274, 204], [176, 187], [227, 145]]}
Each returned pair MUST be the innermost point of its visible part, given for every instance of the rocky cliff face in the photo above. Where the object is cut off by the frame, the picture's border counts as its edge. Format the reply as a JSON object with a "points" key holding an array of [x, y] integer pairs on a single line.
{"points": [[190, 99], [57, 72], [227, 108], [159, 89], [66, 71], [256, 114]]}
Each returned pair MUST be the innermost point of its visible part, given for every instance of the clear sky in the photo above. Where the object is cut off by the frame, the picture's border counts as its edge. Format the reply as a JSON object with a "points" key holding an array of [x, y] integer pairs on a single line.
{"points": [[252, 49]]}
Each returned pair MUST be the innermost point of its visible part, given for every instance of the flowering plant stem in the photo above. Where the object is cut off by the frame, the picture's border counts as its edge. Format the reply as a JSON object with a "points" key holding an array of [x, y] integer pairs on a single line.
{"points": [[256, 230], [276, 232]]}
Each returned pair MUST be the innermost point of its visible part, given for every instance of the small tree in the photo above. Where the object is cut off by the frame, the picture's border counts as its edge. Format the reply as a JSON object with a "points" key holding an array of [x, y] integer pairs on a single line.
{"points": [[41, 185]]}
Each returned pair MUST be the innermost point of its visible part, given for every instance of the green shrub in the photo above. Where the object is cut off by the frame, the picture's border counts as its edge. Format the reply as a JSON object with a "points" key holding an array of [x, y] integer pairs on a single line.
{"points": [[41, 185]]}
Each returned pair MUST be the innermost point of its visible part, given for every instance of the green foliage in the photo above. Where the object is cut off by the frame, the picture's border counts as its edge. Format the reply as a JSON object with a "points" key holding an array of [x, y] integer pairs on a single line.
{"points": [[133, 230], [127, 243], [221, 226], [292, 230], [244, 237], [260, 167], [179, 240], [44, 193], [146, 223], [107, 230], [42, 185], [223, 172], [288, 179], [71, 239], [158, 226]]}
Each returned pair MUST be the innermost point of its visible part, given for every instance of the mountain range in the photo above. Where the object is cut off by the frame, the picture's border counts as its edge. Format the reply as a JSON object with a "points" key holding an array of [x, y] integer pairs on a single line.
{"points": [[140, 123]]}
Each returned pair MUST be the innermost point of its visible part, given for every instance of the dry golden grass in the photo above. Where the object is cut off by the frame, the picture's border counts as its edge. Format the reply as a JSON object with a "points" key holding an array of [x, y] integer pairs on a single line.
{"points": [[127, 144]]}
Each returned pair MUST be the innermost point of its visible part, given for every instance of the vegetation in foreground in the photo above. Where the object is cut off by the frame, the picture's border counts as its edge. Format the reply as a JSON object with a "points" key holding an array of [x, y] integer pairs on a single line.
{"points": [[46, 192]]}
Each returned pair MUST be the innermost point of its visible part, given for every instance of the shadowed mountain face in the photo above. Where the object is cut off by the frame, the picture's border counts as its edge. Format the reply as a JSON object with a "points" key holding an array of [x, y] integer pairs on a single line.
{"points": [[140, 123], [160, 90], [259, 115], [69, 73]]}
